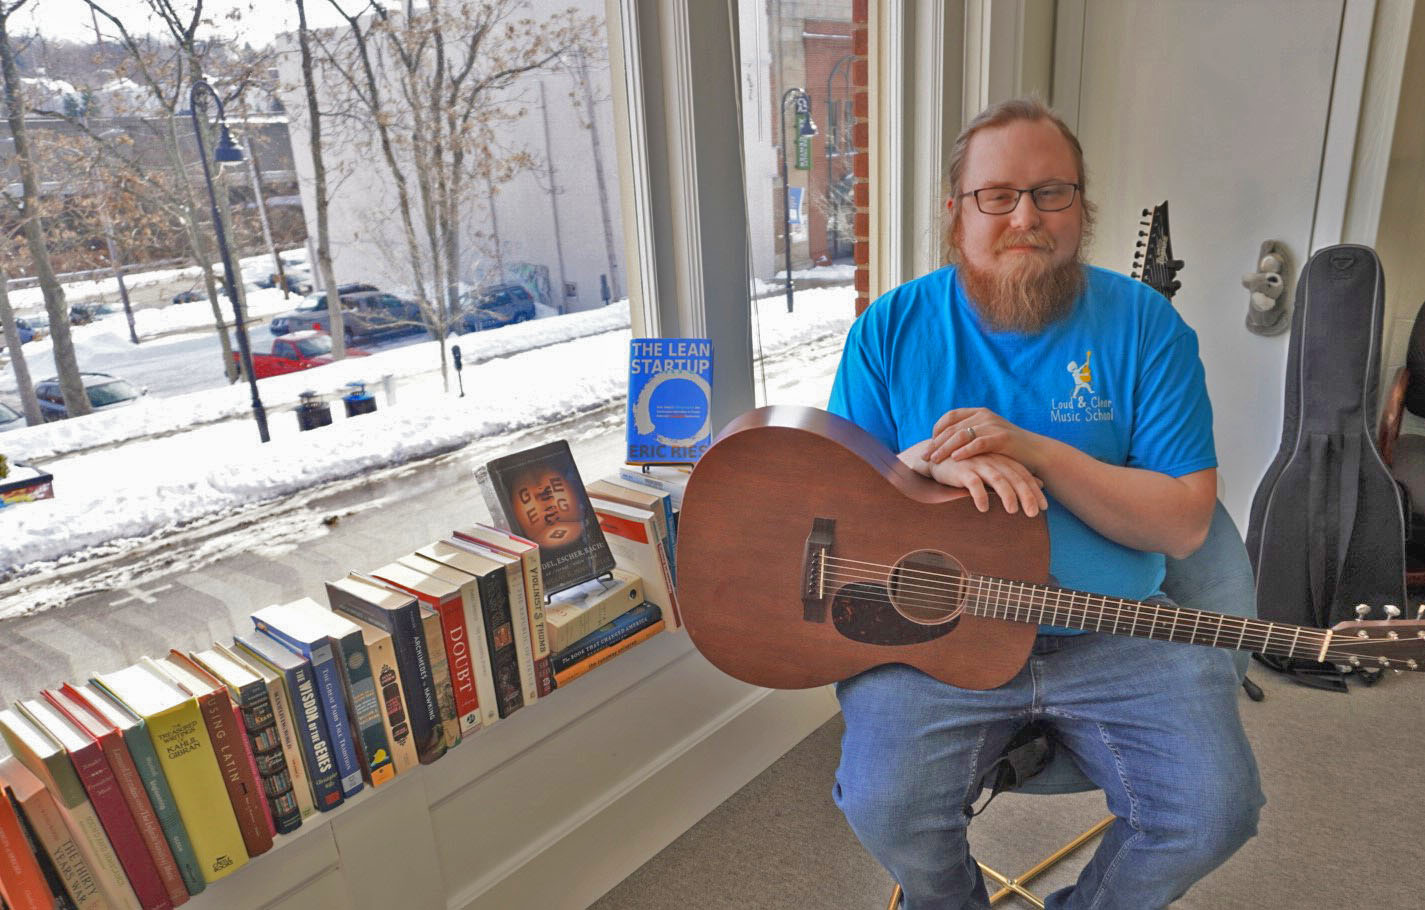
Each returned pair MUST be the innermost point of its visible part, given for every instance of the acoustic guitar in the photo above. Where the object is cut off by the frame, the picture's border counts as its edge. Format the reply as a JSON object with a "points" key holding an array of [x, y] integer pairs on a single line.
{"points": [[808, 553]]}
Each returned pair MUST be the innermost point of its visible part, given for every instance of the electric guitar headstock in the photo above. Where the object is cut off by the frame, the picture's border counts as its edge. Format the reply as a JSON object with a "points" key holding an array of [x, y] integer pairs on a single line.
{"points": [[1153, 262], [1390, 643]]}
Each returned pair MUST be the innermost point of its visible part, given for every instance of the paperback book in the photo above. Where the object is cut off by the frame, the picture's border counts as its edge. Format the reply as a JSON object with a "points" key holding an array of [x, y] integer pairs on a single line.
{"points": [[669, 400], [539, 495]]}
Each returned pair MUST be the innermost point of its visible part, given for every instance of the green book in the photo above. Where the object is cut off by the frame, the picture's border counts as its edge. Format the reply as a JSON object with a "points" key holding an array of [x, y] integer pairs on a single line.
{"points": [[155, 783]]}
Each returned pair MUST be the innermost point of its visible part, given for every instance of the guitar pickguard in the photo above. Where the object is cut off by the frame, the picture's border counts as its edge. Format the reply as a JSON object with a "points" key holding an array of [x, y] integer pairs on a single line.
{"points": [[863, 613]]}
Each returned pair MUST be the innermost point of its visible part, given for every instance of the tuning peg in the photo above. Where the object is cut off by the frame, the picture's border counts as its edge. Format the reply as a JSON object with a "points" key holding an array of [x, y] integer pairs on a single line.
{"points": [[1392, 611], [1362, 611], [1147, 212], [1142, 233], [1174, 287], [1175, 264]]}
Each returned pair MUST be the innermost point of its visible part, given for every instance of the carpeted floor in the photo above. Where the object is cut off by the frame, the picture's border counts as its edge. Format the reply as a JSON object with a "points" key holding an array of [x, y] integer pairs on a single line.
{"points": [[1345, 788]]}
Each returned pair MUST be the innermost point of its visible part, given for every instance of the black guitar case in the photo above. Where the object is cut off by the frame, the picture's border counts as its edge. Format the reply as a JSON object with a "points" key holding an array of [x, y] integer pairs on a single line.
{"points": [[1327, 531]]}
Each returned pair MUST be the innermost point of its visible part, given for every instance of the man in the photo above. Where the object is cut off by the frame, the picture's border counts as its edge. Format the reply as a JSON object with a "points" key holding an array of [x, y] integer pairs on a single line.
{"points": [[962, 372]]}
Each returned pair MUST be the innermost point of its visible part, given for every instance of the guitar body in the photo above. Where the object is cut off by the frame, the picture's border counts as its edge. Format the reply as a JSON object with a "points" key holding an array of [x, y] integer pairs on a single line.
{"points": [[784, 484]]}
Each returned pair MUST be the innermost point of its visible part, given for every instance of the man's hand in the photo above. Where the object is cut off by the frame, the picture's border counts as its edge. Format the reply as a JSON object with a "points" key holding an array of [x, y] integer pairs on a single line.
{"points": [[1016, 487], [969, 432]]}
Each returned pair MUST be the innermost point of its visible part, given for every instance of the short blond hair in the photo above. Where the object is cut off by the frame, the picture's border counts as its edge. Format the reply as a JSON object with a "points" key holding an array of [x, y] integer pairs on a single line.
{"points": [[1028, 108]]}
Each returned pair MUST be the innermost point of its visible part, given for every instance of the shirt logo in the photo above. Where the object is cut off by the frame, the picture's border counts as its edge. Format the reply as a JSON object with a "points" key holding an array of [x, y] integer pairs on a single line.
{"points": [[1084, 403], [1082, 376]]}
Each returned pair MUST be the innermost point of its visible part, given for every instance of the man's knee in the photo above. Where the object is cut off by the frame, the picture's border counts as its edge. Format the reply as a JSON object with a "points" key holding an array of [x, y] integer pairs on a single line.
{"points": [[1219, 826]]}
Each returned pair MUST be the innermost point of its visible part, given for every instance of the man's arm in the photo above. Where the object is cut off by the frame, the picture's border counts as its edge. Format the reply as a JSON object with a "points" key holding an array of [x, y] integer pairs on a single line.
{"points": [[1142, 509]]}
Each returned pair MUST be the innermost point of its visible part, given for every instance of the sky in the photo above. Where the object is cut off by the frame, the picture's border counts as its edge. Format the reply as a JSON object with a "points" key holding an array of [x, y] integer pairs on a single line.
{"points": [[253, 21], [193, 451]]}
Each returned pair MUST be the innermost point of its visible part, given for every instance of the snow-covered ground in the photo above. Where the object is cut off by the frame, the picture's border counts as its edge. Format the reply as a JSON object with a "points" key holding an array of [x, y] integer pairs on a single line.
{"points": [[172, 461]]}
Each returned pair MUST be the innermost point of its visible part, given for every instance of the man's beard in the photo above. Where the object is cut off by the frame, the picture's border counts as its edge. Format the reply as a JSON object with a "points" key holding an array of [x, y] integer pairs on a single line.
{"points": [[1026, 292]]}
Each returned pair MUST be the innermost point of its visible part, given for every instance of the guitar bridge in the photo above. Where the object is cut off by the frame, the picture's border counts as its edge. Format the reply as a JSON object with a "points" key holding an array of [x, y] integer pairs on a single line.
{"points": [[815, 598]]}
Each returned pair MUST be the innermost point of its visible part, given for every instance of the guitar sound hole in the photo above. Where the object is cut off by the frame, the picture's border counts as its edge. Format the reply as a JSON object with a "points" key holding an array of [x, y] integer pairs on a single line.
{"points": [[927, 587]]}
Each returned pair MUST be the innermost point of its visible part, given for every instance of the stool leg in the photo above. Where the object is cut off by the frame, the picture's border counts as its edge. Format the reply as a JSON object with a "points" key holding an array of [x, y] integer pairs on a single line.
{"points": [[1016, 885], [895, 899]]}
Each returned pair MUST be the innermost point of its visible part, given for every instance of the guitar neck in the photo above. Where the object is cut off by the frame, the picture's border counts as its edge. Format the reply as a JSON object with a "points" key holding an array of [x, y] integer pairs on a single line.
{"points": [[1018, 601]]}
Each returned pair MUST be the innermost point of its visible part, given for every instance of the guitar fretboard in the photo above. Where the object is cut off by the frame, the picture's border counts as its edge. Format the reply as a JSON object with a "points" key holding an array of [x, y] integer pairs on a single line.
{"points": [[1018, 601]]}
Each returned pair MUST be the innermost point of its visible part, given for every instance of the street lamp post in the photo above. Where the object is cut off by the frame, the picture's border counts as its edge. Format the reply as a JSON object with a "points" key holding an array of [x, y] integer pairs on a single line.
{"points": [[805, 127], [227, 151]]}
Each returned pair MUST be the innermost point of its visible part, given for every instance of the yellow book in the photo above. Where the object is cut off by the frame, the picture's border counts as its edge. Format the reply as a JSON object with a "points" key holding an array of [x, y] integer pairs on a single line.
{"points": [[175, 724], [388, 690], [46, 759]]}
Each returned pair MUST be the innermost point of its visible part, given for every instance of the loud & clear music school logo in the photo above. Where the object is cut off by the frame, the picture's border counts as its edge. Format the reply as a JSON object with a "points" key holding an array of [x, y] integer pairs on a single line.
{"points": [[1085, 404]]}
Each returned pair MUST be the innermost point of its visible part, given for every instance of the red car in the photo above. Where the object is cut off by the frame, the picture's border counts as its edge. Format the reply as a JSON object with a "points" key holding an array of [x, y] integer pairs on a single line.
{"points": [[296, 351]]}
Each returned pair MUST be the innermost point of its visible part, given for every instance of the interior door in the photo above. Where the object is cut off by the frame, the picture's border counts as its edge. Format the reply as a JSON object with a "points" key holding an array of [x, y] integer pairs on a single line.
{"points": [[1220, 108]]}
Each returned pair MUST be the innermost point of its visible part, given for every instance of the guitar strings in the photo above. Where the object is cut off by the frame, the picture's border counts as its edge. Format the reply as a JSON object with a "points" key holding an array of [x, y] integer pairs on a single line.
{"points": [[1245, 642], [1261, 641]]}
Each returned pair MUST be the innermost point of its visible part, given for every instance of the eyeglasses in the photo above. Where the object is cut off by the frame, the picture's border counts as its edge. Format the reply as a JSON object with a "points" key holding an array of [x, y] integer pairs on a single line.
{"points": [[1001, 200]]}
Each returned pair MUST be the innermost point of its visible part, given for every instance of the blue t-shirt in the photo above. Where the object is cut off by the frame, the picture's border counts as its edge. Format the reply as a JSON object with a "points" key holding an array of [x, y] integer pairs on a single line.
{"points": [[1118, 378]]}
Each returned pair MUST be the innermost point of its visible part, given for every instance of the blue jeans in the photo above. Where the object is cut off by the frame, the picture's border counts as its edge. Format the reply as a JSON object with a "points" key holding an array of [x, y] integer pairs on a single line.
{"points": [[1154, 724]]}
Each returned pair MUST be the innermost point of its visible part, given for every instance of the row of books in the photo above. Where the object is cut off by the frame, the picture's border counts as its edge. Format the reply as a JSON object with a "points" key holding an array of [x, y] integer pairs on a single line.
{"points": [[148, 783]]}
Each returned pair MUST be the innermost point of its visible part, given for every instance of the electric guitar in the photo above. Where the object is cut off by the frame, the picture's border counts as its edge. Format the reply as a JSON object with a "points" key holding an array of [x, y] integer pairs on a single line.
{"points": [[1153, 262], [808, 553]]}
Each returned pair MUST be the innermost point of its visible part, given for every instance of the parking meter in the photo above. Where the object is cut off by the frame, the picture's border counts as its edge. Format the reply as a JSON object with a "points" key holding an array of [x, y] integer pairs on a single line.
{"points": [[455, 354]]}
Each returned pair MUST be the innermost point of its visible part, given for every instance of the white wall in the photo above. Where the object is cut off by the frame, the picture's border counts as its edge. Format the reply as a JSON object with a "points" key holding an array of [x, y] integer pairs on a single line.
{"points": [[367, 234], [1191, 103]]}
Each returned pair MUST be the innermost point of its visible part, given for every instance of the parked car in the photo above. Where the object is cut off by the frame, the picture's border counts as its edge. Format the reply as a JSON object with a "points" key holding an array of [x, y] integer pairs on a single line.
{"points": [[294, 284], [368, 316], [104, 390], [492, 307], [200, 293], [85, 313], [313, 312], [294, 352], [27, 332], [10, 419]]}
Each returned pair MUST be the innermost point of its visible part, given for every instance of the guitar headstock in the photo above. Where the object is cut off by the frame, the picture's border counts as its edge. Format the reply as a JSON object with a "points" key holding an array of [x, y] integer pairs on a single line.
{"points": [[1153, 262], [1396, 644]]}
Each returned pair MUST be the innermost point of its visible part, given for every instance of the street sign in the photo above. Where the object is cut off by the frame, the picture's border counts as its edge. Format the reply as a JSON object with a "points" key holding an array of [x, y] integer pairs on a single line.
{"points": [[803, 141]]}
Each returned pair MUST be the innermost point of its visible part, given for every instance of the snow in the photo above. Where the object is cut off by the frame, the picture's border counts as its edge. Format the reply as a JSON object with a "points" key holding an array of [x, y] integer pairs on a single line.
{"points": [[194, 454]]}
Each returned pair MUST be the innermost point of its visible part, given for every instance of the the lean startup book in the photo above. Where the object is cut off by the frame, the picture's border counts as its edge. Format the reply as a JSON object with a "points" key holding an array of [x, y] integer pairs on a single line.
{"points": [[669, 400]]}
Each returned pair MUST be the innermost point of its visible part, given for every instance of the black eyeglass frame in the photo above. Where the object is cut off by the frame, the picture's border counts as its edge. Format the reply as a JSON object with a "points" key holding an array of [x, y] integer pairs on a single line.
{"points": [[1018, 193]]}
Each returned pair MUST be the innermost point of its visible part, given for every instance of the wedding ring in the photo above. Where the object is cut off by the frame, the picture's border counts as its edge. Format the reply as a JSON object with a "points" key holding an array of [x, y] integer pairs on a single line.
{"points": [[971, 431]]}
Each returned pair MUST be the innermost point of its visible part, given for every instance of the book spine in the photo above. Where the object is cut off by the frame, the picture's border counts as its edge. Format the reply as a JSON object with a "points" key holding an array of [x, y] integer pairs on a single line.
{"points": [[185, 751], [519, 621], [286, 728], [314, 737], [22, 882], [99, 853], [365, 710], [637, 618], [480, 654], [500, 641], [53, 880], [458, 660], [674, 490], [413, 659], [160, 797], [329, 687], [665, 565], [440, 675], [229, 744], [54, 837], [569, 624], [126, 775], [539, 630], [119, 825], [394, 712], [601, 657], [263, 749]]}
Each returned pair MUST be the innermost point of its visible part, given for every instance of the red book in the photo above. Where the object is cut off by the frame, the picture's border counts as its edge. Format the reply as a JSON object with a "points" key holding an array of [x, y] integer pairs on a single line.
{"points": [[252, 764], [74, 706], [22, 884], [102, 788], [244, 790]]}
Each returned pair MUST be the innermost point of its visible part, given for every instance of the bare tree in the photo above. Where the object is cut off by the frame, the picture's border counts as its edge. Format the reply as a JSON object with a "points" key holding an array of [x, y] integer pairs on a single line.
{"points": [[319, 188], [437, 84], [29, 403], [76, 401]]}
